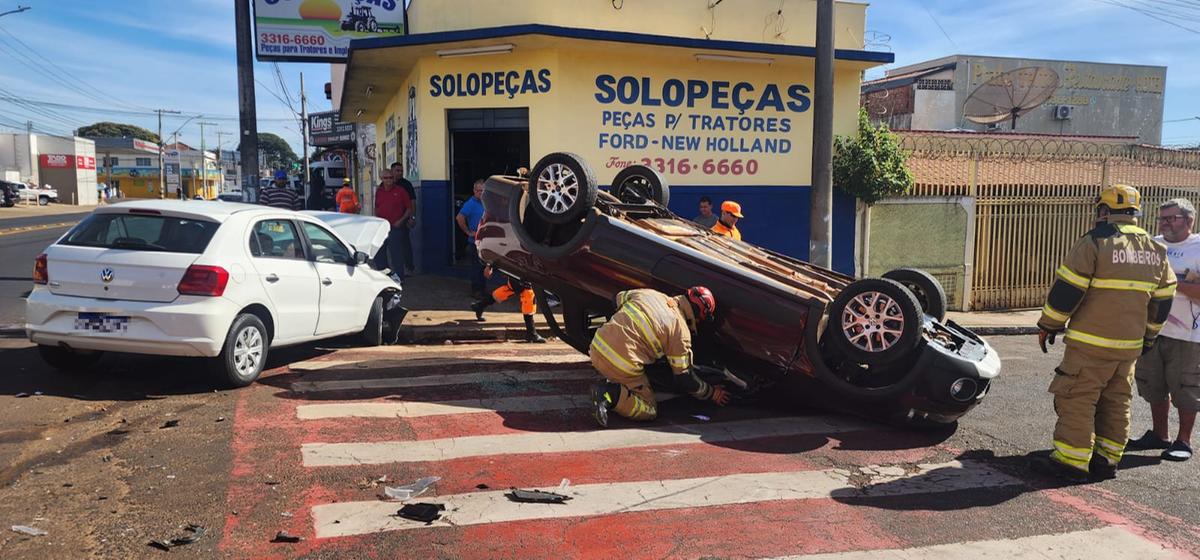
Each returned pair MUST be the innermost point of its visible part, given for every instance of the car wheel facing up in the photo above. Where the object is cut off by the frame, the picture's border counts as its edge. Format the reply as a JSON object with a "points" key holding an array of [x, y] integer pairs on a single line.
{"points": [[563, 187], [638, 184], [875, 321], [929, 292], [245, 351]]}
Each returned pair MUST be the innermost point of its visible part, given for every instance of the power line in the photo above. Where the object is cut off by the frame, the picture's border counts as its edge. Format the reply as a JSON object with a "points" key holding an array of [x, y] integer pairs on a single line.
{"points": [[88, 109], [86, 89], [939, 25], [1149, 14], [1197, 118]]}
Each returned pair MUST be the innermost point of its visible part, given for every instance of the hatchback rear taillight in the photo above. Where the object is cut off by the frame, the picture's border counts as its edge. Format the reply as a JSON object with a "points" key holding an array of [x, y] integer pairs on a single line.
{"points": [[201, 280], [41, 272]]}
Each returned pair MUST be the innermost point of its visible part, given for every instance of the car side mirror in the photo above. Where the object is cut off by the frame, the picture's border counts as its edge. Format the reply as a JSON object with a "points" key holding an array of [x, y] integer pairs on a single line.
{"points": [[360, 257]]}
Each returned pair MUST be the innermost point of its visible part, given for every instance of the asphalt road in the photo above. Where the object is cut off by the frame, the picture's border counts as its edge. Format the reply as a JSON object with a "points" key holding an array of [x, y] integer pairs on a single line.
{"points": [[90, 461], [18, 248]]}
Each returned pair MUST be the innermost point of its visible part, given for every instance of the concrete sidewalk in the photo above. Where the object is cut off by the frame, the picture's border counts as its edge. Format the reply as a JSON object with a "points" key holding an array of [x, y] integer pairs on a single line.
{"points": [[439, 312]]}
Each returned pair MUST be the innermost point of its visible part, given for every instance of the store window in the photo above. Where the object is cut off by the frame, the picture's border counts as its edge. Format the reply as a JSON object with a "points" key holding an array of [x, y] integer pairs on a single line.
{"points": [[144, 162]]}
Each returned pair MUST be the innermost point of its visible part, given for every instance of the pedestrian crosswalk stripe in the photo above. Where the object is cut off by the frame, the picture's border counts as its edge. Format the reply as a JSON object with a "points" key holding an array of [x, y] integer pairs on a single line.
{"points": [[417, 409], [1107, 542], [476, 508], [375, 453], [444, 379]]}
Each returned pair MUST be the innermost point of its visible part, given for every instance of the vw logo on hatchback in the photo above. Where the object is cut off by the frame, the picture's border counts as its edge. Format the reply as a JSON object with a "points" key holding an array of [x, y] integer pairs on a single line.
{"points": [[106, 275]]}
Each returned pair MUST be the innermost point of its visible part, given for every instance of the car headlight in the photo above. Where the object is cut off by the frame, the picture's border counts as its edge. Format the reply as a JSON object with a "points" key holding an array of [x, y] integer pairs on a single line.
{"points": [[963, 389]]}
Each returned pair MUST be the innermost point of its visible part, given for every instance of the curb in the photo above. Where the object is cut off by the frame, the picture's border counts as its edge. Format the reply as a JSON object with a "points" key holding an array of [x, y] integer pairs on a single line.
{"points": [[440, 335], [1003, 331]]}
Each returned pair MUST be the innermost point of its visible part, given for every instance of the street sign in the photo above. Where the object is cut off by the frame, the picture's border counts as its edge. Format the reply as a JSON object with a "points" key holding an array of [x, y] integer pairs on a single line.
{"points": [[321, 30], [324, 129], [171, 170]]}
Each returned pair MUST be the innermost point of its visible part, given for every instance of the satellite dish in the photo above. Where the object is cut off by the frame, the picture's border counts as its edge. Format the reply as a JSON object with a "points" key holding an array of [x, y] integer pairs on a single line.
{"points": [[1010, 95]]}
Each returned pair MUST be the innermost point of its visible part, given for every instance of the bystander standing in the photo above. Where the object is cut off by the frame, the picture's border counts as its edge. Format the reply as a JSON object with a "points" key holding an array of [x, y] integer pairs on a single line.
{"points": [[279, 194], [347, 199], [468, 221], [706, 217], [406, 236], [392, 204], [726, 226]]}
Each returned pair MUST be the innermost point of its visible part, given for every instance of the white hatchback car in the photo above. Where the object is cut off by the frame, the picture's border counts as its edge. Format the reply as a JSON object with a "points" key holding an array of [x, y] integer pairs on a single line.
{"points": [[217, 280]]}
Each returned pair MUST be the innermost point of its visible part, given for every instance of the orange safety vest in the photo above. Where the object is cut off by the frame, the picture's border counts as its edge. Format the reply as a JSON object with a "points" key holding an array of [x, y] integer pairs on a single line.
{"points": [[347, 201], [721, 229]]}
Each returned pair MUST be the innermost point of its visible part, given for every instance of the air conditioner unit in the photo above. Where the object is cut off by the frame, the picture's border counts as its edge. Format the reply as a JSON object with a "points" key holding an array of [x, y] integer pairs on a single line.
{"points": [[1063, 112]]}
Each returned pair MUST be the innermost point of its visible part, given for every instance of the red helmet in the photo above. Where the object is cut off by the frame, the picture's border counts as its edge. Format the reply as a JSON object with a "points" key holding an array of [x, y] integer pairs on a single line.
{"points": [[703, 302]]}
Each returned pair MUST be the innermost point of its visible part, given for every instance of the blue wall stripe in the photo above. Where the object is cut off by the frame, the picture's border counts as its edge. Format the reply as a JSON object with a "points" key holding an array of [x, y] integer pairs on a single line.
{"points": [[776, 218]]}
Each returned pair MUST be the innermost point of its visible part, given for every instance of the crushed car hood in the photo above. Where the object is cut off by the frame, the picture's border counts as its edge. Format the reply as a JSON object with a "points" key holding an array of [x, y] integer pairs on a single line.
{"points": [[366, 233]]}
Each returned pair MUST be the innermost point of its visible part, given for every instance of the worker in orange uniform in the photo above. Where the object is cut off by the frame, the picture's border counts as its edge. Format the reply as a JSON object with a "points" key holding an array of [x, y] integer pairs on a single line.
{"points": [[649, 326], [1111, 296], [726, 225], [346, 198], [505, 291]]}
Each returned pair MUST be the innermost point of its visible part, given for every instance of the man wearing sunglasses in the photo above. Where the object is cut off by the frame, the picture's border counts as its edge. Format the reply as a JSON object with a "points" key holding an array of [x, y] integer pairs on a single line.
{"points": [[1169, 373]]}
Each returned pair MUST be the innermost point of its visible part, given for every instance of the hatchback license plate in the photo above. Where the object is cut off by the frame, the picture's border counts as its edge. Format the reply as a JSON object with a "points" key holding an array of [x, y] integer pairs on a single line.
{"points": [[101, 322]]}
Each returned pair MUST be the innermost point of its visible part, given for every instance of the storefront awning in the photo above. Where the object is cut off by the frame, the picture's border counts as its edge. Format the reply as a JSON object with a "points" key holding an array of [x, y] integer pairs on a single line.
{"points": [[380, 65]]}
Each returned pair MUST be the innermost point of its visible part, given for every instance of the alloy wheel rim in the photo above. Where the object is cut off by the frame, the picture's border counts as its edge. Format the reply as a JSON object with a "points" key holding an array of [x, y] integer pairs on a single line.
{"points": [[247, 351], [873, 322], [557, 188]]}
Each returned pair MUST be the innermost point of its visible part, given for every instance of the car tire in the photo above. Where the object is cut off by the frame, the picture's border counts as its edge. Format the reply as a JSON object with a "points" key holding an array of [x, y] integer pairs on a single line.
{"points": [[244, 354], [888, 334], [562, 188], [928, 291], [638, 184], [69, 361], [43, 200], [372, 333]]}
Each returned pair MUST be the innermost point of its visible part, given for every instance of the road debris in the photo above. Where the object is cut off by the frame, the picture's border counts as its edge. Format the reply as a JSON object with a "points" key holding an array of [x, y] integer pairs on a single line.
{"points": [[285, 537], [21, 395], [423, 512], [169, 424], [27, 530], [220, 419], [194, 532], [286, 514], [482, 486], [410, 491], [536, 496], [701, 417]]}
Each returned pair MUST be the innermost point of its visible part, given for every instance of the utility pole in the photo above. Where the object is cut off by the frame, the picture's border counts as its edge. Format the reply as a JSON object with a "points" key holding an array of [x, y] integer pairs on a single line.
{"points": [[162, 178], [304, 138], [204, 160], [246, 107], [221, 156], [821, 195]]}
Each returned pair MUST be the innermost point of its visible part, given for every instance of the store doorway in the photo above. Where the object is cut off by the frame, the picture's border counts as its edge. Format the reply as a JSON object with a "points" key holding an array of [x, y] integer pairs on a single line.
{"points": [[483, 142]]}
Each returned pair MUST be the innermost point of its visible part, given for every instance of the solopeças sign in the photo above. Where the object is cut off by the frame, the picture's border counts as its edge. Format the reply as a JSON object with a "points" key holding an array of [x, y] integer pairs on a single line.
{"points": [[324, 129]]}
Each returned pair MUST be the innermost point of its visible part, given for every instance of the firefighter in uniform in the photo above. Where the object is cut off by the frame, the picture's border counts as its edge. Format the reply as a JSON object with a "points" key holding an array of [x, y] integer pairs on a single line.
{"points": [[505, 291], [649, 326], [1110, 297]]}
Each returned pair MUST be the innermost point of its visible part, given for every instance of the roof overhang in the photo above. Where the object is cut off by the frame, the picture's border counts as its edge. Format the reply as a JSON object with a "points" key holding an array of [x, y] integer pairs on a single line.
{"points": [[382, 64]]}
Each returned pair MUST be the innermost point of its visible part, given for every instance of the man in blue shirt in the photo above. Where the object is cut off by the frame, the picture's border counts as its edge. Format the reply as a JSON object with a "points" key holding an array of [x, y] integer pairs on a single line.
{"points": [[468, 221]]}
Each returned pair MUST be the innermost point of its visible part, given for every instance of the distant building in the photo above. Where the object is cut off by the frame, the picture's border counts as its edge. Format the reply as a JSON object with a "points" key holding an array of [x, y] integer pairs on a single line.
{"points": [[67, 163], [131, 165], [1081, 98]]}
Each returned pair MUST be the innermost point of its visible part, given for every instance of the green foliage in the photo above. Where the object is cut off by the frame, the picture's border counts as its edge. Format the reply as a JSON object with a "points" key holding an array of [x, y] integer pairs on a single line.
{"points": [[107, 129], [276, 153], [871, 166]]}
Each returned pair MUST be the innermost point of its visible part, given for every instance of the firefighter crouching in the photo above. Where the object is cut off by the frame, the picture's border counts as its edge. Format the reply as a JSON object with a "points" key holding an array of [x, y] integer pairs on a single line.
{"points": [[649, 326], [1110, 297]]}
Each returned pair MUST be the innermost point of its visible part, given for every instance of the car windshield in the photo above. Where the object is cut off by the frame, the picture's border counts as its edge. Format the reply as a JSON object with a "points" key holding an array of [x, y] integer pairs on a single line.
{"points": [[142, 233]]}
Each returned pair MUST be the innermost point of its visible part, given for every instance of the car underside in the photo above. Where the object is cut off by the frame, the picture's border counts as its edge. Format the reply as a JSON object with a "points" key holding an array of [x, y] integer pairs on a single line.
{"points": [[877, 347]]}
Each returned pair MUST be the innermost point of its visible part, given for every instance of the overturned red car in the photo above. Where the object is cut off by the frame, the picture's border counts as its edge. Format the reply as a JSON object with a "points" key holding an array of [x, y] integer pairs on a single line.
{"points": [[879, 347]]}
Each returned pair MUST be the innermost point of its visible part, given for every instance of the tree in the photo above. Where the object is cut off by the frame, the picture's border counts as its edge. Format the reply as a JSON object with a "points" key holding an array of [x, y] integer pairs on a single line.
{"points": [[276, 152], [105, 129], [871, 166]]}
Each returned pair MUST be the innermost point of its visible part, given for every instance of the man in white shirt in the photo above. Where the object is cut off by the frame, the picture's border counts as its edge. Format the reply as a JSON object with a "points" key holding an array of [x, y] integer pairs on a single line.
{"points": [[1170, 371]]}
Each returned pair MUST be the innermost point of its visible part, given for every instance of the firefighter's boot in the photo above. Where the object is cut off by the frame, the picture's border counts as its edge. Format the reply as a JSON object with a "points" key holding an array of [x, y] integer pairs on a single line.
{"points": [[604, 397], [1100, 469], [482, 304], [531, 334]]}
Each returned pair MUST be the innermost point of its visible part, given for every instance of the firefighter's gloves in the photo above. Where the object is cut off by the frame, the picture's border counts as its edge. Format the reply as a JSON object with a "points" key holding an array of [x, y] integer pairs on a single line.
{"points": [[1045, 336], [1147, 344], [720, 396]]}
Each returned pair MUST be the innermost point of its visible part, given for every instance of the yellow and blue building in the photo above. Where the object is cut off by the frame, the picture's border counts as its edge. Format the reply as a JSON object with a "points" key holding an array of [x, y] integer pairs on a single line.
{"points": [[715, 94]]}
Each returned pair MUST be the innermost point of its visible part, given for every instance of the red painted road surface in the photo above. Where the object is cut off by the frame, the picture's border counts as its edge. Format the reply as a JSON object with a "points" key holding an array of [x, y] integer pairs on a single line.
{"points": [[859, 486]]}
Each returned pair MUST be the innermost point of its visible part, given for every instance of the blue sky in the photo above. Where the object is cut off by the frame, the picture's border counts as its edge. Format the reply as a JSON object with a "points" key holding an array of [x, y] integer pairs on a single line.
{"points": [[138, 55]]}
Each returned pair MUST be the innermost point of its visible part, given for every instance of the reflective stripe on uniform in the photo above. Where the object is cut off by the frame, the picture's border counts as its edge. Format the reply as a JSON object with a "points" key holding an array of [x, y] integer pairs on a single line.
{"points": [[1102, 342], [1054, 313], [1076, 457], [1130, 228], [1072, 278], [614, 358], [678, 362], [1164, 292], [644, 325], [1131, 285], [1110, 449]]}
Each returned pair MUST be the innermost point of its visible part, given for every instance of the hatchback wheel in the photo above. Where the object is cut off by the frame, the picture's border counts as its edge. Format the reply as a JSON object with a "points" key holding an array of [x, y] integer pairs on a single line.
{"points": [[875, 321], [562, 187], [245, 351], [372, 333], [70, 361]]}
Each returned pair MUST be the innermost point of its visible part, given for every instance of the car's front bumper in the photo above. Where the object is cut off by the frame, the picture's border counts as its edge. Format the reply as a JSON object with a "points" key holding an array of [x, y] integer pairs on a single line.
{"points": [[948, 383], [189, 326]]}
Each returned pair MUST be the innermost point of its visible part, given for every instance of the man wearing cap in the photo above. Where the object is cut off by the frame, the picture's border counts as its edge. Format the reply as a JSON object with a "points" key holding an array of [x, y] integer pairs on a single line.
{"points": [[347, 199], [279, 195], [727, 224]]}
